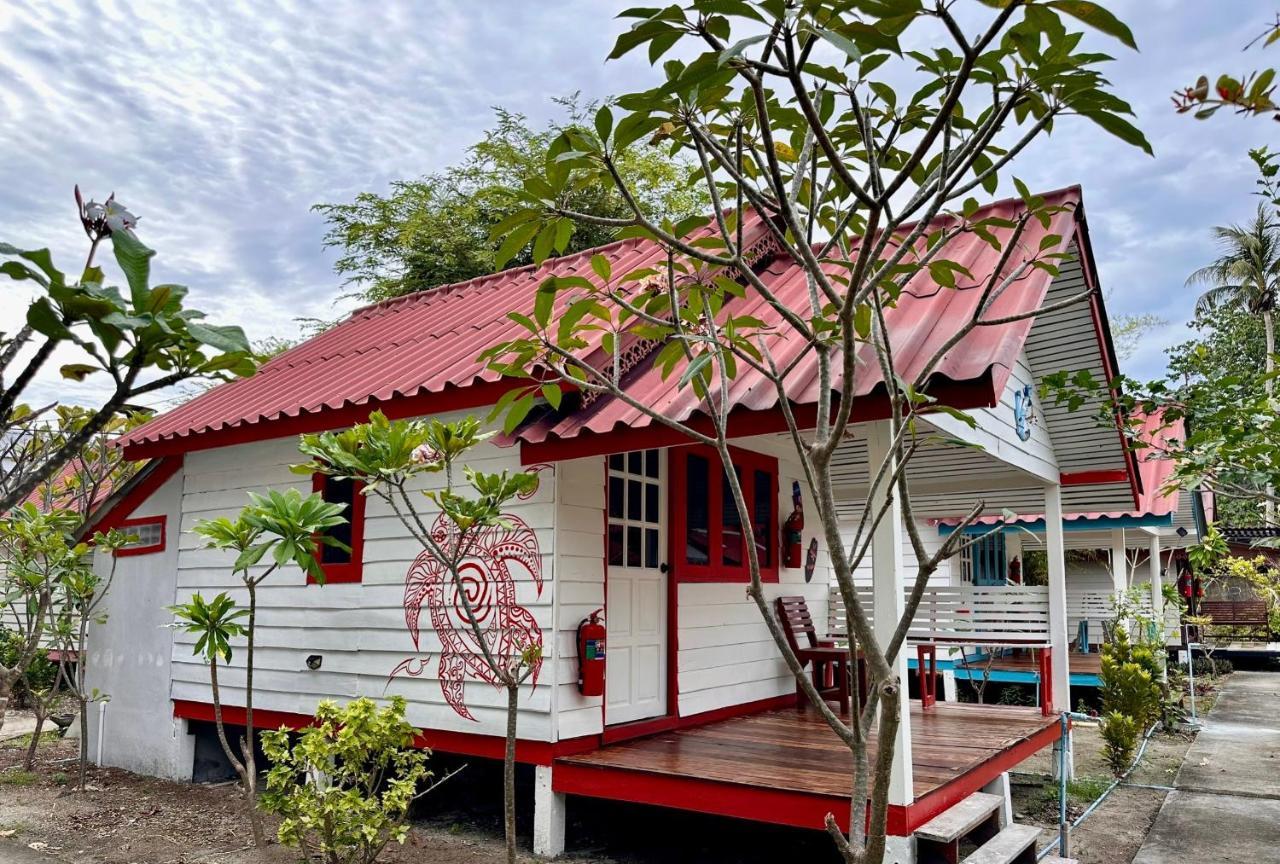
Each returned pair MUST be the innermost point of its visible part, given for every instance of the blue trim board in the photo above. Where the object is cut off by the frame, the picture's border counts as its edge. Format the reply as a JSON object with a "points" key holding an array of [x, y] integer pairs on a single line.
{"points": [[1069, 525], [1003, 676]]}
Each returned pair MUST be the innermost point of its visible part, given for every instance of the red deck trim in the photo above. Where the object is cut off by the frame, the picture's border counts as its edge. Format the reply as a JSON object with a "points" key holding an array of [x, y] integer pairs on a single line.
{"points": [[756, 803], [775, 806], [460, 743], [450, 399], [135, 497], [928, 806]]}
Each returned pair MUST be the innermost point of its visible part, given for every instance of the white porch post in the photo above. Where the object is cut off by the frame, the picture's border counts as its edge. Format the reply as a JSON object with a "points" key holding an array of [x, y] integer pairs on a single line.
{"points": [[888, 589], [1119, 563], [548, 815], [1157, 600], [1055, 551]]}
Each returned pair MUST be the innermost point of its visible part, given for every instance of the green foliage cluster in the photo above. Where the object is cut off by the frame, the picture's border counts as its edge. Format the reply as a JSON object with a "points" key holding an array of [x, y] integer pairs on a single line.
{"points": [[436, 230], [41, 673], [1131, 696], [344, 787]]}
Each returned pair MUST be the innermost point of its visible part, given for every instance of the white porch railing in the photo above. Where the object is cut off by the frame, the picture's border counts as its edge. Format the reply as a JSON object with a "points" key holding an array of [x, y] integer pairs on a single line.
{"points": [[1014, 614], [966, 613]]}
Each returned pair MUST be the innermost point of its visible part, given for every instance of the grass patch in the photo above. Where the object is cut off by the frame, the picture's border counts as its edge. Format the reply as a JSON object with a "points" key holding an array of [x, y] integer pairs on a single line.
{"points": [[24, 741], [18, 778]]}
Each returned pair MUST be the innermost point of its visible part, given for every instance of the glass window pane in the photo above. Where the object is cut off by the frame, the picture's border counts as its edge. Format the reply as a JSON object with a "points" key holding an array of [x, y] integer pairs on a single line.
{"points": [[634, 491], [615, 461], [651, 503], [633, 462], [733, 552], [615, 497], [633, 546], [697, 510], [651, 547], [338, 491], [615, 545], [651, 463], [762, 516]]}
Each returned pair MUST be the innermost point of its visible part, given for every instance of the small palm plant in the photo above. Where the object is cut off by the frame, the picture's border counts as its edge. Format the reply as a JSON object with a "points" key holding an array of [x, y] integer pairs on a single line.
{"points": [[286, 526]]}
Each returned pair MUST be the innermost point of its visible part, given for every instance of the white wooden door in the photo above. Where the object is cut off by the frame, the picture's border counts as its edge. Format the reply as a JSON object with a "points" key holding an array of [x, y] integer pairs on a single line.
{"points": [[636, 597]]}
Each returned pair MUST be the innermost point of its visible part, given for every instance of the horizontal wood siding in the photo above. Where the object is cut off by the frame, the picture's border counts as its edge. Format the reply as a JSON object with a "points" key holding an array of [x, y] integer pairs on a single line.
{"points": [[358, 629], [579, 549]]}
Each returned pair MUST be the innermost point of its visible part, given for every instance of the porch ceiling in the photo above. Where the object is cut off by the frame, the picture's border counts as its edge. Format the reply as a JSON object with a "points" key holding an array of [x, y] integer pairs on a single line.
{"points": [[947, 479]]}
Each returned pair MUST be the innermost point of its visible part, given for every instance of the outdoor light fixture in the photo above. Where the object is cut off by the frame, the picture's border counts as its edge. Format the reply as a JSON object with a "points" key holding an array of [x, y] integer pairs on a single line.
{"points": [[1182, 531], [314, 661]]}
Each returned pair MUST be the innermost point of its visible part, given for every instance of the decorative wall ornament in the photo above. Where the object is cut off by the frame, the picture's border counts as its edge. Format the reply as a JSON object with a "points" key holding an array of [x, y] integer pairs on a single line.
{"points": [[487, 579], [1024, 412], [811, 560], [535, 470]]}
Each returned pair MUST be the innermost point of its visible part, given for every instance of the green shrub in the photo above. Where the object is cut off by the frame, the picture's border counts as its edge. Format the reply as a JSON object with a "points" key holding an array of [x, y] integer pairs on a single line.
{"points": [[1120, 733], [41, 673], [346, 783], [1211, 667]]}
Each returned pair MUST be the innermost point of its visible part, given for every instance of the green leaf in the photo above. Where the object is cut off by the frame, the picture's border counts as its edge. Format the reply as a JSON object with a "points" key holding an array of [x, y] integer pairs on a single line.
{"points": [[600, 264], [846, 46], [736, 49], [553, 395], [516, 241], [1121, 128], [44, 320], [134, 259], [77, 371], [1096, 17], [519, 410], [604, 123], [226, 338]]}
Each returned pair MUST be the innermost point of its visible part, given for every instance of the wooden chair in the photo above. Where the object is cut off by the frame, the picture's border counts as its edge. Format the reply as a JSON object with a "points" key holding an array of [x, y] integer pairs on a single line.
{"points": [[830, 663]]}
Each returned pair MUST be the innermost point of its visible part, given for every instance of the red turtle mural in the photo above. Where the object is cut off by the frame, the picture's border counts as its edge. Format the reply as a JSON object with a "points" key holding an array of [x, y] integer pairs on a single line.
{"points": [[487, 578]]}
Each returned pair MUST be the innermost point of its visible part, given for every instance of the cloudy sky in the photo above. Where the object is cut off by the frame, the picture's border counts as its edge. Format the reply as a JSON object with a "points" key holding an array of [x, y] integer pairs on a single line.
{"points": [[221, 123]]}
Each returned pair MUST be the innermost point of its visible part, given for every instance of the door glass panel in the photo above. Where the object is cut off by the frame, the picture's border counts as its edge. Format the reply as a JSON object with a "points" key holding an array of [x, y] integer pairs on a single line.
{"points": [[635, 509], [762, 516]]}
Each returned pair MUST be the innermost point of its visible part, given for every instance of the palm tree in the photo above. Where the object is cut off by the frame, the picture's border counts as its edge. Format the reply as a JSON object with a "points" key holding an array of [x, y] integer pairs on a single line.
{"points": [[1247, 274]]}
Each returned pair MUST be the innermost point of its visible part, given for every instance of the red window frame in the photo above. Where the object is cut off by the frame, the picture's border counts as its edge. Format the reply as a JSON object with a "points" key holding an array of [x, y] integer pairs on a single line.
{"points": [[345, 572], [126, 524], [748, 463]]}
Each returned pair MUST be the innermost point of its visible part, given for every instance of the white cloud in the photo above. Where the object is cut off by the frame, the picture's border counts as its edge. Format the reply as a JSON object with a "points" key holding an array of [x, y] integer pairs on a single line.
{"points": [[222, 123]]}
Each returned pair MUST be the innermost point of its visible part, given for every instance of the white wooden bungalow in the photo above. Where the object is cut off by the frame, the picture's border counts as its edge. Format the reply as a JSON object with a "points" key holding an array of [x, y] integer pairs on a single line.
{"points": [[699, 710]]}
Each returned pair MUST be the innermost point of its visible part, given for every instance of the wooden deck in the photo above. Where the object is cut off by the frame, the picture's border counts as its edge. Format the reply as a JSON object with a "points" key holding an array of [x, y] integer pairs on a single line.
{"points": [[788, 767]]}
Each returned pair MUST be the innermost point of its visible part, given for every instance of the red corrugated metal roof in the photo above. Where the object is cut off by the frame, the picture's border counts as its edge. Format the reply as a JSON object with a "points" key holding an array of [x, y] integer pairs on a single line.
{"points": [[920, 325], [420, 344], [427, 343]]}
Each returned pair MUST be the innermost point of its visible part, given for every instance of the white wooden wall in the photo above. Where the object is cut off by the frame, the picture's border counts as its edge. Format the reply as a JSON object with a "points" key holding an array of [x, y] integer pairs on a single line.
{"points": [[358, 629]]}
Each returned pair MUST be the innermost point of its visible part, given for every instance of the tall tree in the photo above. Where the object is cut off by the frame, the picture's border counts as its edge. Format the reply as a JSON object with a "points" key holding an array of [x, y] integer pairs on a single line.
{"points": [[145, 342], [852, 146], [435, 230]]}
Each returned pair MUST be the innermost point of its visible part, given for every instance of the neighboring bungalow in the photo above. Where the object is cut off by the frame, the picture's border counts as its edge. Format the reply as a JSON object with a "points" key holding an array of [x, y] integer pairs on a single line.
{"points": [[1114, 552], [629, 519]]}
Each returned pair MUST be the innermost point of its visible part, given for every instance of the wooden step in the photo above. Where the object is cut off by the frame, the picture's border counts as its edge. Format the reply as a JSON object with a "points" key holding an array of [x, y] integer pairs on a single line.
{"points": [[955, 823], [1058, 859], [1012, 844]]}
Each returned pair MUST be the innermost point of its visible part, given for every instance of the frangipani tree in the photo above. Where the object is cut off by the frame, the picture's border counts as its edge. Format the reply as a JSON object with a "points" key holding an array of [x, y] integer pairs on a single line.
{"points": [[860, 157], [388, 457], [273, 532], [143, 342]]}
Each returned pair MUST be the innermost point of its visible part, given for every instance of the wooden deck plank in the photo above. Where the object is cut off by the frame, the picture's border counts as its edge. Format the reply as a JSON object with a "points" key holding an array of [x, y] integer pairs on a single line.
{"points": [[795, 750]]}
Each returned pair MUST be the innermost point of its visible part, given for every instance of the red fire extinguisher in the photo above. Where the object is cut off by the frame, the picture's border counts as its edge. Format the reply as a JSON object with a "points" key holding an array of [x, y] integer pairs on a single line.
{"points": [[591, 655]]}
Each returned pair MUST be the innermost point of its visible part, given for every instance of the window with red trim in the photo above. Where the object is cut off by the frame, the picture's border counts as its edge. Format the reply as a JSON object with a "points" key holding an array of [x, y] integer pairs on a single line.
{"points": [[340, 565], [709, 534], [150, 533]]}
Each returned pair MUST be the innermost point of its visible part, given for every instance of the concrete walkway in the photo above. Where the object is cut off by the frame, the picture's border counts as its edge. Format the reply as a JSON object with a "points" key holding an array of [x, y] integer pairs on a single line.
{"points": [[1227, 804]]}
